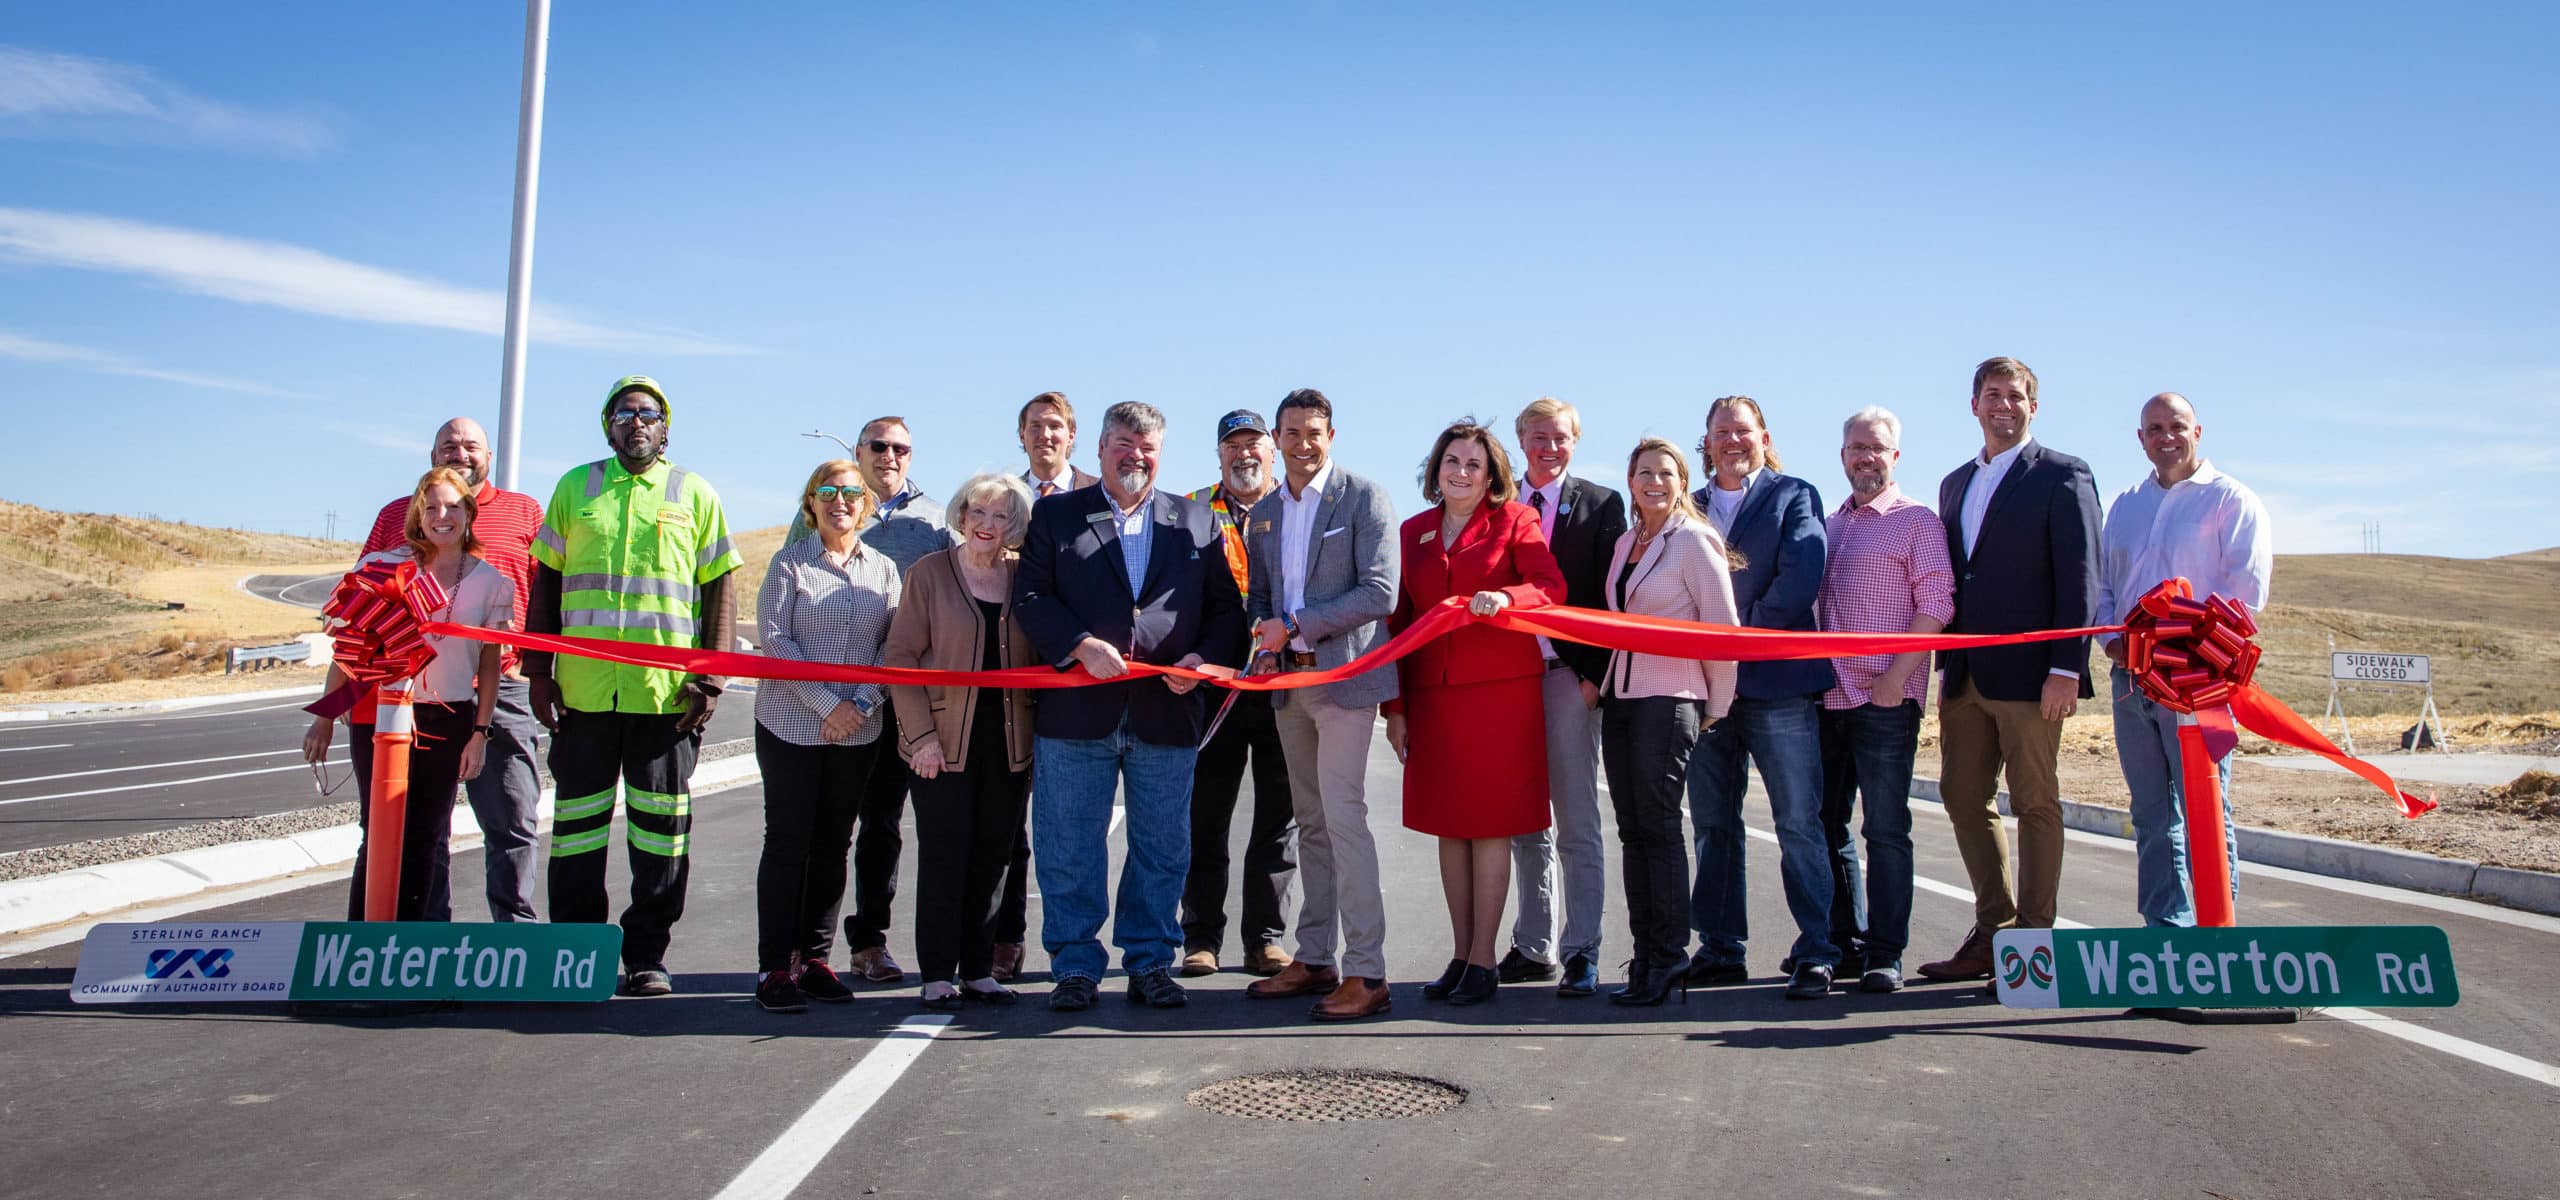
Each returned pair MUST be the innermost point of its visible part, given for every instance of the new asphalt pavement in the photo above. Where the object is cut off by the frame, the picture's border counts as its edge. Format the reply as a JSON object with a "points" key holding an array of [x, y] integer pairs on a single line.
{"points": [[1935, 1091]]}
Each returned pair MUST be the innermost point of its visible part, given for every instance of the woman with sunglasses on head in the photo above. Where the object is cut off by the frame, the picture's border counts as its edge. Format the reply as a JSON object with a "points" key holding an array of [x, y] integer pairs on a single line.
{"points": [[827, 598], [454, 697], [1669, 563], [968, 747]]}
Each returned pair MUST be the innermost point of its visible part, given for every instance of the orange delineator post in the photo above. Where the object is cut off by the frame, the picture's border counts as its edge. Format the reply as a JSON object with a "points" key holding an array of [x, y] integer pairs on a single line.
{"points": [[387, 808], [2207, 862]]}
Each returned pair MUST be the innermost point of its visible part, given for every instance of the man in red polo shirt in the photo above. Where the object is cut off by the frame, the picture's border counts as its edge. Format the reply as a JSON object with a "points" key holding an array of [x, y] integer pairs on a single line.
{"points": [[505, 792]]}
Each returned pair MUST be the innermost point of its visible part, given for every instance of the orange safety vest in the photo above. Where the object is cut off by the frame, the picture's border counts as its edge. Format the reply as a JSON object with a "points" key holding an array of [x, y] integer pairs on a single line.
{"points": [[1230, 530]]}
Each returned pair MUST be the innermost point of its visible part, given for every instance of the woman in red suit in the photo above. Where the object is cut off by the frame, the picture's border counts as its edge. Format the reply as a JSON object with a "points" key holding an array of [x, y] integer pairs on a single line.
{"points": [[1470, 726]]}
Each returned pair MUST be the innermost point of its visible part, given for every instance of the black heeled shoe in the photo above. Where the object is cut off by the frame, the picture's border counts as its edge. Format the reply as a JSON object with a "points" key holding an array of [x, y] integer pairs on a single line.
{"points": [[1477, 986], [1439, 989], [1648, 985]]}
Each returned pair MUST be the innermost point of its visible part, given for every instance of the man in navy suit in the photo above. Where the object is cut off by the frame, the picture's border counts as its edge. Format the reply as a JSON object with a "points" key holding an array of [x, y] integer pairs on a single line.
{"points": [[2022, 532], [1773, 533], [1109, 575]]}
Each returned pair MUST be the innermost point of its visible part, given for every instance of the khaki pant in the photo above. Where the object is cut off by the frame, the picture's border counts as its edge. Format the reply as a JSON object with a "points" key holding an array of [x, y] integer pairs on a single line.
{"points": [[1327, 746], [1977, 739]]}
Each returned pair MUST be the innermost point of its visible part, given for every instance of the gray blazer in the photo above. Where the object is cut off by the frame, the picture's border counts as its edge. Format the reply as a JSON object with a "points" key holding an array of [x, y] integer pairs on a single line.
{"points": [[1351, 581]]}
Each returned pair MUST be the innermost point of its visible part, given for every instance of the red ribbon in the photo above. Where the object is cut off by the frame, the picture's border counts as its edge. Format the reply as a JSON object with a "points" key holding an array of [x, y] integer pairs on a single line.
{"points": [[379, 615], [2160, 634]]}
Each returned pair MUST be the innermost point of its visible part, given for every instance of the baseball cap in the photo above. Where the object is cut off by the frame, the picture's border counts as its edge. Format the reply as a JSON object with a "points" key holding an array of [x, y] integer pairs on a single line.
{"points": [[1240, 421]]}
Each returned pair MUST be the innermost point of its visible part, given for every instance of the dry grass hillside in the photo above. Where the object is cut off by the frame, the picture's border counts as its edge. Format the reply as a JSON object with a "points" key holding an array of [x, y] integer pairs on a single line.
{"points": [[2492, 624], [86, 598]]}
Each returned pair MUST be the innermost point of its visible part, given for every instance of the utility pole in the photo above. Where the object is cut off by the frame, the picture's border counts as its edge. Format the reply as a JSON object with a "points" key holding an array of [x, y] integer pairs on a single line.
{"points": [[537, 49]]}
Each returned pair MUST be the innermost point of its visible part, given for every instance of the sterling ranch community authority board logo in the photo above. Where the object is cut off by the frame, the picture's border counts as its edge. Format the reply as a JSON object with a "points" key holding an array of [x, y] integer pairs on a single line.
{"points": [[194, 962]]}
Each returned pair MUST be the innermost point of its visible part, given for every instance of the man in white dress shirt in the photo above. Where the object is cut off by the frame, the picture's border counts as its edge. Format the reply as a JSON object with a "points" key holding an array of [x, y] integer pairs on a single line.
{"points": [[2185, 519]]}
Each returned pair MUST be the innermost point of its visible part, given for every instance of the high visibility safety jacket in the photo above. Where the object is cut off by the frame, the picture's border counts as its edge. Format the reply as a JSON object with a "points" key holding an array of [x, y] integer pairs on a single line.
{"points": [[633, 552]]}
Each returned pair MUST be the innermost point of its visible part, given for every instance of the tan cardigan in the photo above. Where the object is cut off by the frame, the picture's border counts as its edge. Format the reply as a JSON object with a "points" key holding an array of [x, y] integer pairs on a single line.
{"points": [[1682, 575], [936, 626]]}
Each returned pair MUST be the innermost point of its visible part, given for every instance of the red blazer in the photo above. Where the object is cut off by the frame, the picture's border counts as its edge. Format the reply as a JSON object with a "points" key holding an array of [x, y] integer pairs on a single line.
{"points": [[1499, 549]]}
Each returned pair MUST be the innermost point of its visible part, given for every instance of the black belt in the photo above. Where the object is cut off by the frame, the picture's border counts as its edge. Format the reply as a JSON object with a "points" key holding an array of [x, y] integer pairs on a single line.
{"points": [[1557, 664]]}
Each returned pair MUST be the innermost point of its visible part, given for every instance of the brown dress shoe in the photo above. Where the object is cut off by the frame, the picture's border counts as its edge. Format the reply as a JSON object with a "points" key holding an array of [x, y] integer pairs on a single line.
{"points": [[1007, 962], [875, 965], [1296, 979], [1972, 960], [1200, 962], [1267, 961], [1350, 1002]]}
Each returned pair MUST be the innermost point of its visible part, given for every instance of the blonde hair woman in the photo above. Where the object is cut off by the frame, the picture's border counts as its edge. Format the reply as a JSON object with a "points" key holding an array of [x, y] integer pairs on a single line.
{"points": [[826, 598], [1669, 563]]}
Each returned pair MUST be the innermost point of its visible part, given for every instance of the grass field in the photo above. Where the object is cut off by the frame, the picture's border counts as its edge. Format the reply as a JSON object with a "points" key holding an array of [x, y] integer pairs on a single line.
{"points": [[89, 600]]}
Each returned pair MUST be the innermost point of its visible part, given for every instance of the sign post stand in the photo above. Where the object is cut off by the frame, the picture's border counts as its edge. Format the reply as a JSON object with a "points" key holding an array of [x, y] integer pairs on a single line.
{"points": [[2356, 669], [387, 809]]}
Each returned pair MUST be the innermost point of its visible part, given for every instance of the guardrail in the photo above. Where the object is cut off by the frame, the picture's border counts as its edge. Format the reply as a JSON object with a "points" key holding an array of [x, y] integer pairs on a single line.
{"points": [[241, 658]]}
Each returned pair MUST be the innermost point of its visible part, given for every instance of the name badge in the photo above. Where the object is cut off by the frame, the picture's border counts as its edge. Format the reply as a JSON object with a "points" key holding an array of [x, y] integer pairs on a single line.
{"points": [[1097, 518], [1430, 537], [1262, 526]]}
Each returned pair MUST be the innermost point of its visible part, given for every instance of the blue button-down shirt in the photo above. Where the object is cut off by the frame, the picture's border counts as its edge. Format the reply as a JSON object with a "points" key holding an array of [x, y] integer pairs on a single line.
{"points": [[1137, 538]]}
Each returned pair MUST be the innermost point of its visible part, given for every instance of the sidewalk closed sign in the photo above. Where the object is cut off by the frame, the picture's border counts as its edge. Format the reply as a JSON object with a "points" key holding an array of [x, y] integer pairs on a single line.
{"points": [[197, 962], [2281, 966], [2361, 667]]}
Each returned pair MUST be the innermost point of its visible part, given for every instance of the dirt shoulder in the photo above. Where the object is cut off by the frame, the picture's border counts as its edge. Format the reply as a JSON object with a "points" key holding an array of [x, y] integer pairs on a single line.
{"points": [[2483, 824]]}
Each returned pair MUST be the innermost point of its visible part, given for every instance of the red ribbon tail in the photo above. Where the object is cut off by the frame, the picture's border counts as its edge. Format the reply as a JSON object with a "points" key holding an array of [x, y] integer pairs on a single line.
{"points": [[2263, 715]]}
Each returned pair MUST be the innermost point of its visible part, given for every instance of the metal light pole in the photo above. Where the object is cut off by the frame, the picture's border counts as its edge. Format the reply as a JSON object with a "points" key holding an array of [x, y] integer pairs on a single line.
{"points": [[820, 433], [537, 44]]}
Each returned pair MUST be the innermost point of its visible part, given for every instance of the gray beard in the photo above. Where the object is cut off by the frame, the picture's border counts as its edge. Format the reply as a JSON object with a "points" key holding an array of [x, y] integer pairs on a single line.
{"points": [[1134, 482], [1247, 479]]}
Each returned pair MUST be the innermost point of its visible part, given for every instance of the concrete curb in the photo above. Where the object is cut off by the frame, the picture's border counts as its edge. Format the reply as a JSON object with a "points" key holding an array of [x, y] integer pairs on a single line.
{"points": [[2531, 891], [31, 904], [75, 710]]}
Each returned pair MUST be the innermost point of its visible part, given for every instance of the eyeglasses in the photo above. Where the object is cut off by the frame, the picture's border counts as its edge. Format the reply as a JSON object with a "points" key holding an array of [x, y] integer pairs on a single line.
{"points": [[828, 493], [901, 449], [626, 417]]}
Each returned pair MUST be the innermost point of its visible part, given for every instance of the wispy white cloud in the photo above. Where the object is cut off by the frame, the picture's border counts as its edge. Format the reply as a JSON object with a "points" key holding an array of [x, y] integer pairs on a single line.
{"points": [[70, 97], [281, 275], [83, 358]]}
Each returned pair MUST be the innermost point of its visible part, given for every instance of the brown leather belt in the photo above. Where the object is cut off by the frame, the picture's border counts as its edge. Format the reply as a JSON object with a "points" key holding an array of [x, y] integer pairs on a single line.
{"points": [[1297, 660]]}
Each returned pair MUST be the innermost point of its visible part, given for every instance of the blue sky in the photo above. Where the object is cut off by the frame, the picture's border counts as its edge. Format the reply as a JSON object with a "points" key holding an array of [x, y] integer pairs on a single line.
{"points": [[251, 256]]}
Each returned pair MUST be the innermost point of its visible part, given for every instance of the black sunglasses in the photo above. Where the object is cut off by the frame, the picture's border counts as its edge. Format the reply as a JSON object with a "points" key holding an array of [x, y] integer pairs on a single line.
{"points": [[901, 449], [644, 417]]}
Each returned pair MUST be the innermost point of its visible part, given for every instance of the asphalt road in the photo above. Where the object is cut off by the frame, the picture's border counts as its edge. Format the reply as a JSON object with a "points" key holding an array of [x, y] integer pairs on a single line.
{"points": [[75, 780], [1932, 1092], [301, 591]]}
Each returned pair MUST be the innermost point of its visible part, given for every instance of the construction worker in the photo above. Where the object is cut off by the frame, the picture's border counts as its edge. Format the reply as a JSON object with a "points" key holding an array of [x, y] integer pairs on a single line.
{"points": [[635, 549]]}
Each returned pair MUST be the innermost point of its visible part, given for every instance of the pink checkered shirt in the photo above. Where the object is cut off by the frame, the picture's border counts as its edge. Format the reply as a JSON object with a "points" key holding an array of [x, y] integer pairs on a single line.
{"points": [[1886, 563]]}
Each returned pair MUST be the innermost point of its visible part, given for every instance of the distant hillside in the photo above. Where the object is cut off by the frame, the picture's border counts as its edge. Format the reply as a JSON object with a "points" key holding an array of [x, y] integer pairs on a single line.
{"points": [[86, 597], [2520, 591], [2551, 554]]}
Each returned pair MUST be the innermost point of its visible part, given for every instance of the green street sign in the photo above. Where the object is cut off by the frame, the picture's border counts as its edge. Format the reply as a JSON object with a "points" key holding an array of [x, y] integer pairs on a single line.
{"points": [[431, 960], [2275, 966], [197, 962]]}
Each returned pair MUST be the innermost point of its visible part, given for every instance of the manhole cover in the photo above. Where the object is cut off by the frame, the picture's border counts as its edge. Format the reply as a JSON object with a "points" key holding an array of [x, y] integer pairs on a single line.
{"points": [[1319, 1094]]}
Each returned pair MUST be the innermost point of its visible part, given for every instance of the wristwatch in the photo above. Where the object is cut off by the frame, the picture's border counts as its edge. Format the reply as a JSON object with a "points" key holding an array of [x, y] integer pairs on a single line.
{"points": [[483, 730], [1289, 623]]}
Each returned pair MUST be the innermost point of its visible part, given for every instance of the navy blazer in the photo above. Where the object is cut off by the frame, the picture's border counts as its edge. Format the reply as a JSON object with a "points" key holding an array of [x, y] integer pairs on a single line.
{"points": [[1589, 519], [1073, 583], [1778, 539], [2034, 566]]}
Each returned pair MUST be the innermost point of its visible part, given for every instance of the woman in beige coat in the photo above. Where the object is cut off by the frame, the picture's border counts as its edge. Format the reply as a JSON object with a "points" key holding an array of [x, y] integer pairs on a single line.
{"points": [[969, 748], [1669, 563]]}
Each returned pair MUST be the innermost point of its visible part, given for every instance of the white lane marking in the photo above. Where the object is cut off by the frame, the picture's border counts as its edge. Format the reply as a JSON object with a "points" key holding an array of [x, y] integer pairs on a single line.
{"points": [[220, 712], [780, 1169], [54, 746], [2362, 1018], [166, 783], [184, 762], [2487, 1056]]}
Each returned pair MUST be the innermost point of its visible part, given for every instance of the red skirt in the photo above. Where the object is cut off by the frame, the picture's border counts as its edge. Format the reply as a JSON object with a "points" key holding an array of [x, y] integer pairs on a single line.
{"points": [[1476, 759]]}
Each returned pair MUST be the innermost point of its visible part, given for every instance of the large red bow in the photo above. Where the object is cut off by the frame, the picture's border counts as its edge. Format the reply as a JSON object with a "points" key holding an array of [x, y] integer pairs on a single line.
{"points": [[378, 614]]}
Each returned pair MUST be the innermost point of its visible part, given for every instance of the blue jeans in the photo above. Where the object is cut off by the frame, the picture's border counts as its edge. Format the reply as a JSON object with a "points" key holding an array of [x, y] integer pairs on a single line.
{"points": [[1866, 754], [1784, 737], [2147, 749], [1073, 780]]}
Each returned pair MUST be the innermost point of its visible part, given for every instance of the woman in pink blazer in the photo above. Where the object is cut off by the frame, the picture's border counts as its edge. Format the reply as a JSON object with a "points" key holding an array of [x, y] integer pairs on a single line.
{"points": [[1669, 563]]}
